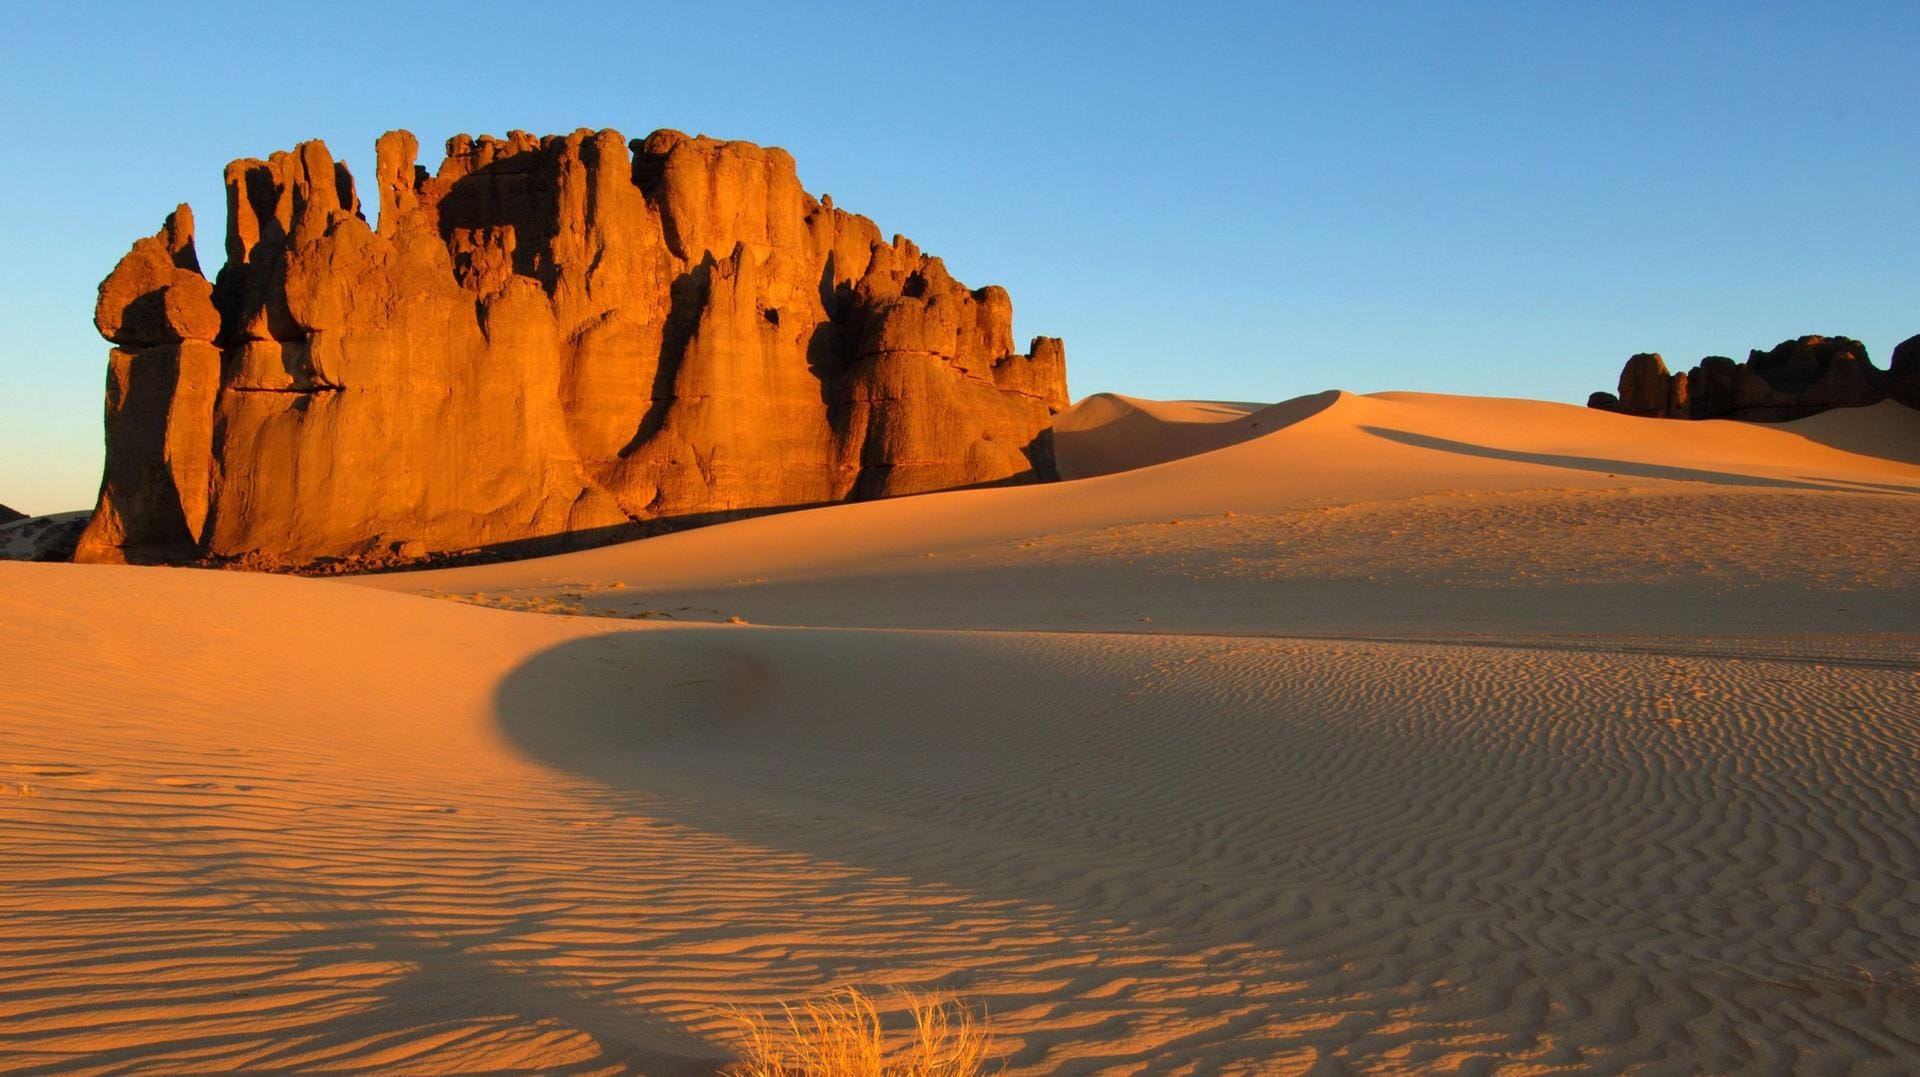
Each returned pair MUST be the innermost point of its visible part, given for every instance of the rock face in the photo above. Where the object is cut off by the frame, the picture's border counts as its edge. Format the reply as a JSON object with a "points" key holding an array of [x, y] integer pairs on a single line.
{"points": [[1906, 358], [1647, 389], [548, 341], [1904, 372], [1794, 379]]}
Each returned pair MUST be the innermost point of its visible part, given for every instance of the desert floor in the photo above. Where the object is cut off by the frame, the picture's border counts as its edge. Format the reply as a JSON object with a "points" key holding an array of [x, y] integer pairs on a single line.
{"points": [[1390, 734]]}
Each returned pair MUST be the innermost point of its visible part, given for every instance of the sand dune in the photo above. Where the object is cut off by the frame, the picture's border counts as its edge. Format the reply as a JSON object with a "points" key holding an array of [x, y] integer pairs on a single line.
{"points": [[1108, 432], [1401, 513], [1417, 735]]}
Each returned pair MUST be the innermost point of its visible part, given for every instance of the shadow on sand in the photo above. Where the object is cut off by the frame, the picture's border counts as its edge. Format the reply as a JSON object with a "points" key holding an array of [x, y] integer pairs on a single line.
{"points": [[1637, 469], [1112, 434], [937, 824], [594, 537], [1116, 836]]}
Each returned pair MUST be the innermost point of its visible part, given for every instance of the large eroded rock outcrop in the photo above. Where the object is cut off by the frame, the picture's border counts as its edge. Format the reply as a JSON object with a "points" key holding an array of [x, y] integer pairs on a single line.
{"points": [[562, 337], [1792, 380]]}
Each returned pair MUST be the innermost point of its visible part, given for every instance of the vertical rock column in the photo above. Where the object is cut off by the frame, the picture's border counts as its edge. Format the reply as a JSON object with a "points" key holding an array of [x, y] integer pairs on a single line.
{"points": [[162, 377], [1645, 386]]}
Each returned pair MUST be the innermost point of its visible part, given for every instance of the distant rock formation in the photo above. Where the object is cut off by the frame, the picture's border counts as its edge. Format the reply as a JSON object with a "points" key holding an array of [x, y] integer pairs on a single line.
{"points": [[8, 515], [547, 341], [1905, 362], [40, 538], [1794, 379]]}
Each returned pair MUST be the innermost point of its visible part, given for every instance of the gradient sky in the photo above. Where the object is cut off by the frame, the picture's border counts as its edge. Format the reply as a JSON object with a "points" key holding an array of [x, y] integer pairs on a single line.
{"points": [[1225, 201]]}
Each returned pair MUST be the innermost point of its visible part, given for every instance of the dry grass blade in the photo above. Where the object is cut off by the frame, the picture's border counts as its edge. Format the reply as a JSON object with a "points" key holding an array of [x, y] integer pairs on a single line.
{"points": [[843, 1035]]}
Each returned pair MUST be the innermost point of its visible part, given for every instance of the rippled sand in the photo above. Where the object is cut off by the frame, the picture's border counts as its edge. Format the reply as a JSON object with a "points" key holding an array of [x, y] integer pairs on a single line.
{"points": [[1388, 756]]}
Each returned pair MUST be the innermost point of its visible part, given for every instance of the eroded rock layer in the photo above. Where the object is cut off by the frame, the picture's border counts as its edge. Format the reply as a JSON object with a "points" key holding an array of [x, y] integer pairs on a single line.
{"points": [[1791, 380], [565, 338]]}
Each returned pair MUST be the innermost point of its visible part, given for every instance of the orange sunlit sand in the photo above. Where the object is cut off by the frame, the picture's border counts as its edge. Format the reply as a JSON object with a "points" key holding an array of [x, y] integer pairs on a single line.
{"points": [[1394, 734]]}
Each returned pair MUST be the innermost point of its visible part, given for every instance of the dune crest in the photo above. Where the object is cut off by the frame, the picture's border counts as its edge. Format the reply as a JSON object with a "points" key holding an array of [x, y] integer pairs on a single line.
{"points": [[1107, 432]]}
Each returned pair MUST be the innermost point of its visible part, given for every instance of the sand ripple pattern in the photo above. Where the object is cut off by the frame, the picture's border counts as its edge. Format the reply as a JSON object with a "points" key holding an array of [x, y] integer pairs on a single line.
{"points": [[1149, 854]]}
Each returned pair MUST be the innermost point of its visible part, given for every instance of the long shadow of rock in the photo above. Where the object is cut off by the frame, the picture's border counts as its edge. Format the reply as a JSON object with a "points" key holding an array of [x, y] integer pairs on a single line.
{"points": [[1864, 487], [1073, 826], [1887, 430], [860, 746], [1607, 466], [1118, 837], [595, 537], [957, 761], [449, 985], [339, 979], [863, 763]]}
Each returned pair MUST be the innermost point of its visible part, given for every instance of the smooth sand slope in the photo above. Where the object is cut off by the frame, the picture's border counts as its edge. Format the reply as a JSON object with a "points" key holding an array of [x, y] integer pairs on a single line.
{"points": [[1398, 513], [1436, 735]]}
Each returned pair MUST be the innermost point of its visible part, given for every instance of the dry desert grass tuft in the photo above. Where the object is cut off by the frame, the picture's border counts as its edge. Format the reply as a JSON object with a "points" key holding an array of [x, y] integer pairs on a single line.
{"points": [[842, 1035]]}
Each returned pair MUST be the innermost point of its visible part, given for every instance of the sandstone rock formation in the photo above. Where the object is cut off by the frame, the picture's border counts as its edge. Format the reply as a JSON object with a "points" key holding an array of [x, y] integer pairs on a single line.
{"points": [[1903, 372], [547, 337], [1906, 358], [1795, 378], [1647, 389]]}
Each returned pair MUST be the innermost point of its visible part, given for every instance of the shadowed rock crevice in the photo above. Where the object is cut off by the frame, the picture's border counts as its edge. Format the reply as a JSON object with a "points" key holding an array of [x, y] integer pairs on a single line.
{"points": [[687, 295], [545, 336]]}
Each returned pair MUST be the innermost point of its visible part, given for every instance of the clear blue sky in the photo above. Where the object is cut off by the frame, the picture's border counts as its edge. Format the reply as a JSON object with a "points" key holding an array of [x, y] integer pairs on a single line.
{"points": [[1219, 201]]}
